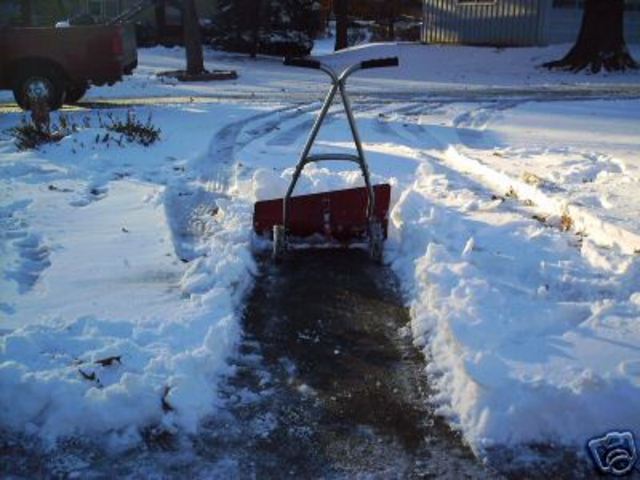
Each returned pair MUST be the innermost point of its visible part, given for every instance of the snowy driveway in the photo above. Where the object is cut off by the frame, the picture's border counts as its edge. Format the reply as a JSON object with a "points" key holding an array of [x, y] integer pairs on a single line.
{"points": [[512, 235]]}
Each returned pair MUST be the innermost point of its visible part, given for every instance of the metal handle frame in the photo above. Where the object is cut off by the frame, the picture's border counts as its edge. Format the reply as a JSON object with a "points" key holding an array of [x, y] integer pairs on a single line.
{"points": [[338, 84]]}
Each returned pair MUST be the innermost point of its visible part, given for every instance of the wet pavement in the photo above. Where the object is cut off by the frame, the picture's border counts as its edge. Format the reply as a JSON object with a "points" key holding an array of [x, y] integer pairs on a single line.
{"points": [[328, 383]]}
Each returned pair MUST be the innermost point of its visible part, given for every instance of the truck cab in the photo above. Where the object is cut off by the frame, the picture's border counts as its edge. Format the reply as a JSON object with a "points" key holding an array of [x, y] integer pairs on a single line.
{"points": [[62, 62]]}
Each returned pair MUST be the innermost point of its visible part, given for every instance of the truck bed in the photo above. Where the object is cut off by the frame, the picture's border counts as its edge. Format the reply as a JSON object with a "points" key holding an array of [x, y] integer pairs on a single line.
{"points": [[96, 54]]}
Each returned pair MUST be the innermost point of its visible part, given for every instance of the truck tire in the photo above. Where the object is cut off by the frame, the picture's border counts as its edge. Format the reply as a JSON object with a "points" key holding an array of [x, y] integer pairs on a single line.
{"points": [[75, 92], [39, 79]]}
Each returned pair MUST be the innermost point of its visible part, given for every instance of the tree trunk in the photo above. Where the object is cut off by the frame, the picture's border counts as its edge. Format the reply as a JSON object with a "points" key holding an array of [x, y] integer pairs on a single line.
{"points": [[341, 12], [391, 14], [192, 38], [600, 43], [256, 13], [161, 20]]}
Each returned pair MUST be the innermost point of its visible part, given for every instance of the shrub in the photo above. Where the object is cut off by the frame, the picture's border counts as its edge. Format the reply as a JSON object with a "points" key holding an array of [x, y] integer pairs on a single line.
{"points": [[134, 130], [30, 136]]}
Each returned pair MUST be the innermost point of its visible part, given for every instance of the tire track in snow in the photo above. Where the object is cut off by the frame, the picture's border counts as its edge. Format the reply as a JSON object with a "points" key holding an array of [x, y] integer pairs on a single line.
{"points": [[600, 230], [229, 140], [383, 123], [471, 124], [419, 137], [450, 139]]}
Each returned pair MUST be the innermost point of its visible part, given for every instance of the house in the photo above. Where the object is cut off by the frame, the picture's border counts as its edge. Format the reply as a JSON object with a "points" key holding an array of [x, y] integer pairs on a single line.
{"points": [[512, 22]]}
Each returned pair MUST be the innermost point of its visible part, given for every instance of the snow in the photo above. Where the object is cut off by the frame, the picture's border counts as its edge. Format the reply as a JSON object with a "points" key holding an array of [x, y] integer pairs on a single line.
{"points": [[424, 69], [513, 230], [593, 178], [529, 330], [528, 340], [125, 252]]}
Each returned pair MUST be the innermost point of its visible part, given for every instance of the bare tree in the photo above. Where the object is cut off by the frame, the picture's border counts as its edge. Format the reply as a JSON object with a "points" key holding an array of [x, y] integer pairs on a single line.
{"points": [[192, 38], [600, 43], [341, 12]]}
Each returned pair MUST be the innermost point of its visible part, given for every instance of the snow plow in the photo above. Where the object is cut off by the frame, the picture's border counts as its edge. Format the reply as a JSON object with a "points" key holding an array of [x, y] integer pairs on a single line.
{"points": [[337, 218]]}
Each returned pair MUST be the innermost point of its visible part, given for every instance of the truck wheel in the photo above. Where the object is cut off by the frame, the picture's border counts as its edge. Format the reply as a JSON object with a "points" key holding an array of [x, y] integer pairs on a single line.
{"points": [[75, 93], [39, 80]]}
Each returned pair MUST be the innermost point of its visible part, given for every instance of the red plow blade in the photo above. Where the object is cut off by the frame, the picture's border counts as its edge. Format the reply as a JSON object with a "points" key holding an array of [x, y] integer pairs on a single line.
{"points": [[337, 215]]}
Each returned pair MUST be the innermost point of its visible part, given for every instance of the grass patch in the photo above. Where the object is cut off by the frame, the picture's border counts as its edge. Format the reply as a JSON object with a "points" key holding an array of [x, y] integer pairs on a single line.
{"points": [[29, 136], [134, 130], [566, 222], [511, 193]]}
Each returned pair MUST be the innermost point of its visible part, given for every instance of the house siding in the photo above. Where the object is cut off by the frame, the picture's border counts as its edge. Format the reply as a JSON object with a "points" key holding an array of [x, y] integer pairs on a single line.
{"points": [[501, 22], [509, 22]]}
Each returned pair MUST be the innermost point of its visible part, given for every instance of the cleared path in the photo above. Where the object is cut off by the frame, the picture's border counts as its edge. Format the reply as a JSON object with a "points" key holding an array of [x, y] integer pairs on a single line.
{"points": [[328, 383]]}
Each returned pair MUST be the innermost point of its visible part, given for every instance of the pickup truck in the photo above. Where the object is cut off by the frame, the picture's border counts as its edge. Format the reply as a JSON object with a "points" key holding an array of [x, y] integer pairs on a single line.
{"points": [[62, 62]]}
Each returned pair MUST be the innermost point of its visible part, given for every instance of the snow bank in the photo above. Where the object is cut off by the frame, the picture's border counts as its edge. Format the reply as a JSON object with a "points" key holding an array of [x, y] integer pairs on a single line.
{"points": [[526, 341], [123, 276], [93, 375]]}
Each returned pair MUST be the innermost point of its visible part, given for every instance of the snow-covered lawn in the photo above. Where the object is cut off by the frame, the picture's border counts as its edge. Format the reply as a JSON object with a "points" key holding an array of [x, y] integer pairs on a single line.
{"points": [[425, 69], [123, 254], [514, 231], [575, 158]]}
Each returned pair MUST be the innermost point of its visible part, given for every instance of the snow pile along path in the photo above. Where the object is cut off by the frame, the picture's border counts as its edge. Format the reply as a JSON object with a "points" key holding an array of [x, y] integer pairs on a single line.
{"points": [[123, 273], [528, 339]]}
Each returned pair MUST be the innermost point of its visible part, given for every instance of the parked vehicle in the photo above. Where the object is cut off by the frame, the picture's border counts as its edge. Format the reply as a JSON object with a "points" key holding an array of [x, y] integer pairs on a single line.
{"points": [[63, 62]]}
